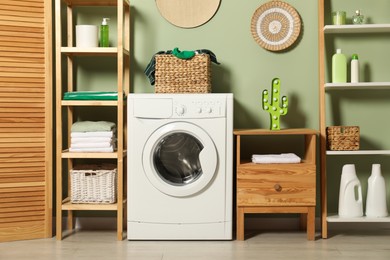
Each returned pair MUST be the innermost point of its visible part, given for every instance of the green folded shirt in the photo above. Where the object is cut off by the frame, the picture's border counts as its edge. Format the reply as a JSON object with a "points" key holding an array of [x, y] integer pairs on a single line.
{"points": [[91, 95]]}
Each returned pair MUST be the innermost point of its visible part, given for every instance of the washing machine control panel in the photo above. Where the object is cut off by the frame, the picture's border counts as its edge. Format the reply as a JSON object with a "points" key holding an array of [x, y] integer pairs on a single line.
{"points": [[198, 108]]}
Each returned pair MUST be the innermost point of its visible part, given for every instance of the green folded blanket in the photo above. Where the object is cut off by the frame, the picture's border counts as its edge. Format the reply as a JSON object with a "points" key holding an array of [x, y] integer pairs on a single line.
{"points": [[93, 126], [91, 95]]}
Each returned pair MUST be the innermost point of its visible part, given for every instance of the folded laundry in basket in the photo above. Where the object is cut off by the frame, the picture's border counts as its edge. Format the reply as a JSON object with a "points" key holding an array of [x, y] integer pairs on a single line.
{"points": [[92, 126], [95, 167], [276, 158], [150, 70]]}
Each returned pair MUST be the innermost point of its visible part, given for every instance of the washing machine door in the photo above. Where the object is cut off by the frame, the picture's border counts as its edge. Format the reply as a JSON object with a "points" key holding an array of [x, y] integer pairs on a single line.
{"points": [[180, 159]]}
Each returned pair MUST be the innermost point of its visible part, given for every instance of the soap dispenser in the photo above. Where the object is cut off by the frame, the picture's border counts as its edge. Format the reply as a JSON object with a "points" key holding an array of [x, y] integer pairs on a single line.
{"points": [[104, 33]]}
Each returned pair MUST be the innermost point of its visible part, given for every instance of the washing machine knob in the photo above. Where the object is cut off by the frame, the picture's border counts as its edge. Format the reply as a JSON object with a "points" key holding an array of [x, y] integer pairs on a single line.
{"points": [[199, 110], [180, 110], [209, 110]]}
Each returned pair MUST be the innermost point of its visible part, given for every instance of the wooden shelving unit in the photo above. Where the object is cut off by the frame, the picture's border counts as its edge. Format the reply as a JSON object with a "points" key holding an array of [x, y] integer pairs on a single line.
{"points": [[64, 158], [277, 188], [334, 88]]}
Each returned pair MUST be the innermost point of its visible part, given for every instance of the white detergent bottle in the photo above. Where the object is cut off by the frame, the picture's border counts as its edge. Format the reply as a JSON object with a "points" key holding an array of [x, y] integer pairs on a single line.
{"points": [[350, 196], [376, 205], [355, 69]]}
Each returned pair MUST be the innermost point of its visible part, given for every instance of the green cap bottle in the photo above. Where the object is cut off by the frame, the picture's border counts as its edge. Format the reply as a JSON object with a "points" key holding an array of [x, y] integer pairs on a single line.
{"points": [[104, 33]]}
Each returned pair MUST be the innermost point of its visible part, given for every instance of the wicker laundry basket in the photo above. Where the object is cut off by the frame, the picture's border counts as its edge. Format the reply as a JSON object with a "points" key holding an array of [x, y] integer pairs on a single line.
{"points": [[343, 138], [174, 75], [93, 184]]}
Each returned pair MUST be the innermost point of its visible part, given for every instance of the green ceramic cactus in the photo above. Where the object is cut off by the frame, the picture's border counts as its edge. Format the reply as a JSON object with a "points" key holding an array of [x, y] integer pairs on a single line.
{"points": [[273, 107]]}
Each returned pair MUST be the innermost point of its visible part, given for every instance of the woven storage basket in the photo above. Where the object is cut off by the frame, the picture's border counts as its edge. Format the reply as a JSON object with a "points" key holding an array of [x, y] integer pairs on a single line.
{"points": [[174, 75], [343, 138], [94, 185]]}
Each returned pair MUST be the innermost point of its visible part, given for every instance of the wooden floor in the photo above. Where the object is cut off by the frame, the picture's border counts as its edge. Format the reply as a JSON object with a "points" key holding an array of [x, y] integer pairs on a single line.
{"points": [[265, 245]]}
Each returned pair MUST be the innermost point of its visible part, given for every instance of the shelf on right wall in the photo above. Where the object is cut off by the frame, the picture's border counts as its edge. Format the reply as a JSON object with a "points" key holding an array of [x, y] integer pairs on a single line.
{"points": [[334, 31], [360, 85], [354, 28]]}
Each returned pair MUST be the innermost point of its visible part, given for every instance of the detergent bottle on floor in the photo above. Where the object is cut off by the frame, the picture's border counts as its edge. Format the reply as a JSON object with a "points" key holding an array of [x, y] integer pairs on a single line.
{"points": [[350, 196]]}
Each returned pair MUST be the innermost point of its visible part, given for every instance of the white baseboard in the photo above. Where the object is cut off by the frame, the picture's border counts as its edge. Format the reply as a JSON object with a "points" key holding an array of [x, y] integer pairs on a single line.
{"points": [[252, 223]]}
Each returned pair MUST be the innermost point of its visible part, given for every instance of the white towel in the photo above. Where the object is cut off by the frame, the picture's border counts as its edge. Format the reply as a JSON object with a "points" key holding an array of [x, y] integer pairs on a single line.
{"points": [[84, 140], [276, 158], [93, 134], [92, 145], [92, 150]]}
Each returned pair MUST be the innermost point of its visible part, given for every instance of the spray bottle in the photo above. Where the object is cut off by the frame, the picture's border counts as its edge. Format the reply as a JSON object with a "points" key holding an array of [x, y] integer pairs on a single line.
{"points": [[104, 33]]}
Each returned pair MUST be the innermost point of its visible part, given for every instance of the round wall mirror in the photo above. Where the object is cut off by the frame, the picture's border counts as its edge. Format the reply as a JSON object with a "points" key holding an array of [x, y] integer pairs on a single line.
{"points": [[188, 13]]}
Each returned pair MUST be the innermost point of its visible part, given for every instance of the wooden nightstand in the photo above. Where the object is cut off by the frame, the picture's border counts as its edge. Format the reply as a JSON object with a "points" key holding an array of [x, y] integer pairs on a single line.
{"points": [[277, 188]]}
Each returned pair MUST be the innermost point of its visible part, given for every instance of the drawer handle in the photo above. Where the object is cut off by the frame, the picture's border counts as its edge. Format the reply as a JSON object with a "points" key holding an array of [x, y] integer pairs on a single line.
{"points": [[278, 188]]}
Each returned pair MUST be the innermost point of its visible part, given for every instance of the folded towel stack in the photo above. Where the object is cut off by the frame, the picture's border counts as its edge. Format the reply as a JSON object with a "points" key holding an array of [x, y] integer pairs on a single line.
{"points": [[93, 136], [276, 158]]}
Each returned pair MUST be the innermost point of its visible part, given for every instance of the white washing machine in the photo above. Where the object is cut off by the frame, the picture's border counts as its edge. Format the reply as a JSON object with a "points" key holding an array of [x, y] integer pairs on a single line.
{"points": [[180, 166]]}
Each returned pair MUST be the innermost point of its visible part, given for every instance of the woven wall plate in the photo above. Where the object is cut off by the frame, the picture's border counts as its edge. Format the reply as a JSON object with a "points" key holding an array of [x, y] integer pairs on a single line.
{"points": [[188, 13], [275, 25]]}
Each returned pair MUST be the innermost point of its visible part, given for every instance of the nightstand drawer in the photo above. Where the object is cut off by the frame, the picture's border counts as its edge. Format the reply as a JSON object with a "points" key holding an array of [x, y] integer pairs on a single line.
{"points": [[276, 184]]}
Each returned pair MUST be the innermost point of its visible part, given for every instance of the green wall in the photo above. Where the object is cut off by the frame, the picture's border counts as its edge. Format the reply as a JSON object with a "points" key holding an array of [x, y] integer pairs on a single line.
{"points": [[246, 69]]}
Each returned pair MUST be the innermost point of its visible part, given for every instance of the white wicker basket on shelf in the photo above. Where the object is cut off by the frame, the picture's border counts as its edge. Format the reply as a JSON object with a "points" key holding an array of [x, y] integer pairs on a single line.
{"points": [[93, 184]]}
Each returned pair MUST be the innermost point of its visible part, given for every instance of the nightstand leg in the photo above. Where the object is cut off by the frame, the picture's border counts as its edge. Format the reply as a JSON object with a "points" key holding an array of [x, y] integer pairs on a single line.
{"points": [[311, 223], [240, 223]]}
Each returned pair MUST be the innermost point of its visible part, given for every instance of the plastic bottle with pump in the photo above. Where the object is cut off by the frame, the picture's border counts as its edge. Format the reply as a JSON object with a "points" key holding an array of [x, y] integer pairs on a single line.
{"points": [[355, 68], [104, 33], [339, 67]]}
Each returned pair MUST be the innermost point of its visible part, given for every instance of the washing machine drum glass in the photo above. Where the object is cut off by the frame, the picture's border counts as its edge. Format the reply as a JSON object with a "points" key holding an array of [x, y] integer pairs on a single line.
{"points": [[176, 159]]}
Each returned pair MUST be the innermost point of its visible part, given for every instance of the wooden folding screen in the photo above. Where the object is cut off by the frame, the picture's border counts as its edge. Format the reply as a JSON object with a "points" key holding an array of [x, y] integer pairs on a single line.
{"points": [[25, 119]]}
